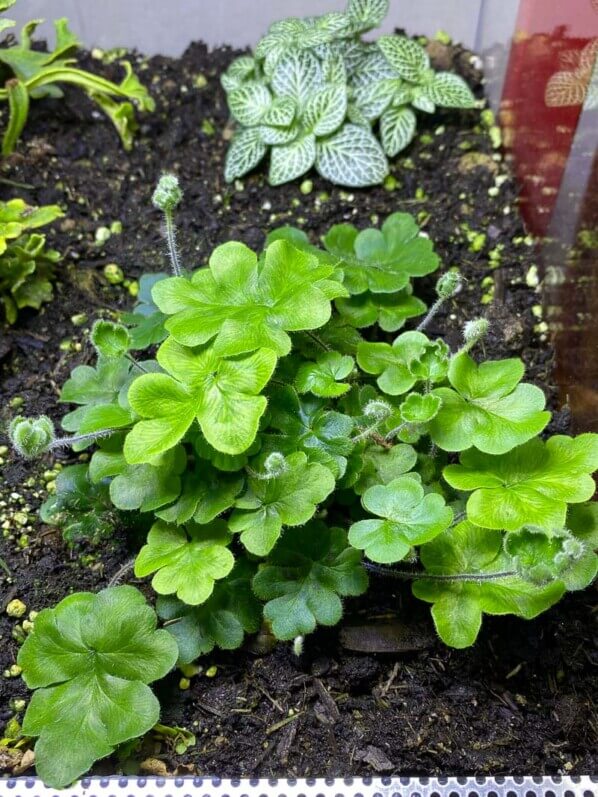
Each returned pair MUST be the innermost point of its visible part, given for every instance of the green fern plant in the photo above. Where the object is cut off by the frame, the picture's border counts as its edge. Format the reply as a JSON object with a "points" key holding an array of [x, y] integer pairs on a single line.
{"points": [[314, 94], [283, 451], [26, 265], [29, 74]]}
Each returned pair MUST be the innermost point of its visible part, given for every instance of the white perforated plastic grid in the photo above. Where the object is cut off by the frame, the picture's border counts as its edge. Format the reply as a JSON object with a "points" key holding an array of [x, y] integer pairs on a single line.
{"points": [[583, 786]]}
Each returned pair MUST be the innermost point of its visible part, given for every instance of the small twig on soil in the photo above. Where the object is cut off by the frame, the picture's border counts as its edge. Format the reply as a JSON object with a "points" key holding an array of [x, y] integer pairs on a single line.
{"points": [[327, 699], [281, 723], [393, 674], [284, 745], [210, 709], [274, 702]]}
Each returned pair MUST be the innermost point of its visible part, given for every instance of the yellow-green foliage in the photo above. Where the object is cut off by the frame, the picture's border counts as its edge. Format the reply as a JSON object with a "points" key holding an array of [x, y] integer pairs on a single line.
{"points": [[26, 266]]}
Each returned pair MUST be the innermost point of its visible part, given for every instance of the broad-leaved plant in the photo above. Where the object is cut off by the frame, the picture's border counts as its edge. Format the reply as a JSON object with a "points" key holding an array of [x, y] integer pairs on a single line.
{"points": [[281, 450]]}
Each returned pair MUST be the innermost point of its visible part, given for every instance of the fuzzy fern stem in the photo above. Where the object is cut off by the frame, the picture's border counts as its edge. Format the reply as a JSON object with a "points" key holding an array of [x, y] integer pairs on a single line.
{"points": [[170, 235], [67, 442], [167, 197], [408, 575]]}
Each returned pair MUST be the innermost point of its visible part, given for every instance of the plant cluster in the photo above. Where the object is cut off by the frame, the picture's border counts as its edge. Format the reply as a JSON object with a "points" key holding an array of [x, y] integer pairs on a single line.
{"points": [[30, 74], [288, 439], [314, 94], [26, 266]]}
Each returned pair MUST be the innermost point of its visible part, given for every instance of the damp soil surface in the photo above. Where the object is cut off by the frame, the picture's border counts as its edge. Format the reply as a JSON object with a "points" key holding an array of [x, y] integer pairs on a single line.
{"points": [[522, 699]]}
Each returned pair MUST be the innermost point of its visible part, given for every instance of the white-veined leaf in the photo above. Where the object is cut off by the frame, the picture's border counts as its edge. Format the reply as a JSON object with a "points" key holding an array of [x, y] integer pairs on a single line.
{"points": [[280, 113], [356, 116], [352, 157], [275, 136], [333, 69], [293, 160], [374, 98], [325, 110], [450, 91], [367, 14], [336, 24], [397, 128], [406, 56], [355, 54], [245, 152], [372, 68], [402, 95], [249, 102], [237, 73], [291, 26], [421, 100], [296, 76]]}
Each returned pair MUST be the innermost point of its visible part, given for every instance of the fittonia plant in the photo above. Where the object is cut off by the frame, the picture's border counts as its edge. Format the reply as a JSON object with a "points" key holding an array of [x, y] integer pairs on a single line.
{"points": [[314, 94], [288, 439]]}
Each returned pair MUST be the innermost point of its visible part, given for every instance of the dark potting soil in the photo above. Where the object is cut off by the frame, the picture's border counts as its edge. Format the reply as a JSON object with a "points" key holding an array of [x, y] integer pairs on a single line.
{"points": [[522, 699]]}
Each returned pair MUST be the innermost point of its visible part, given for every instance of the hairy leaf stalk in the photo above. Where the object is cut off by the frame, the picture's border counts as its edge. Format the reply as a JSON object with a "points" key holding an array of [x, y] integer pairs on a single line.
{"points": [[407, 575]]}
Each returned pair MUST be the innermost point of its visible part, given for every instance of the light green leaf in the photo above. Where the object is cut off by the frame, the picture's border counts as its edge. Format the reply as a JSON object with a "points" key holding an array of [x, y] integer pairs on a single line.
{"points": [[144, 487], [382, 465], [394, 364], [324, 377], [18, 109], [246, 150], [406, 56], [222, 621], [411, 518], [245, 304], [582, 522], [397, 128], [206, 493], [542, 557], [421, 100], [110, 340], [459, 605], [487, 408], [532, 484], [305, 577], [307, 425], [221, 394], [290, 161], [351, 157], [100, 705], [289, 499], [420, 409], [334, 69], [186, 561], [169, 408], [390, 311], [382, 261]]}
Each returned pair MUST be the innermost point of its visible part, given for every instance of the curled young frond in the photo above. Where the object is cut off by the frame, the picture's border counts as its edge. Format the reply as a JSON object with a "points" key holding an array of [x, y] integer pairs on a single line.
{"points": [[449, 285], [31, 437], [168, 194]]}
